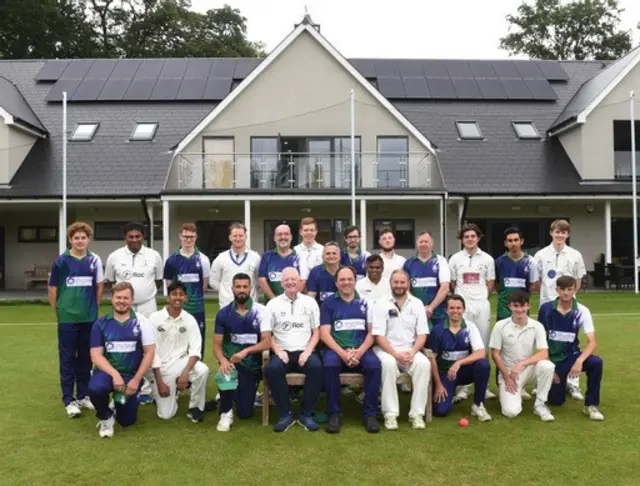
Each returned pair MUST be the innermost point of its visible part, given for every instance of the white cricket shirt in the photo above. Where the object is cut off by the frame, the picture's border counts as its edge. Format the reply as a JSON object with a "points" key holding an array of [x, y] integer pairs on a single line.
{"points": [[175, 338], [517, 342], [553, 264], [226, 266], [401, 326], [310, 257], [292, 321], [471, 274], [141, 269], [395, 262], [372, 292]]}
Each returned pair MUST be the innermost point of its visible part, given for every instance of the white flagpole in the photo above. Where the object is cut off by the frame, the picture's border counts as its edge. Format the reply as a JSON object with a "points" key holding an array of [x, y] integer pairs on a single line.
{"points": [[634, 192], [63, 215], [353, 158]]}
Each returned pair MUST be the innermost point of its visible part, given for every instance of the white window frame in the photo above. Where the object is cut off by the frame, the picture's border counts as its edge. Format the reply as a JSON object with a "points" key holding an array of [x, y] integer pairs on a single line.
{"points": [[86, 137], [517, 123], [467, 137], [135, 137]]}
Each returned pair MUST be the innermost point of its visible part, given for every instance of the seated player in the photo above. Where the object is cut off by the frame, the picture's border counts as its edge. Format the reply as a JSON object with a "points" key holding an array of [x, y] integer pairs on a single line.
{"points": [[322, 278], [122, 350], [459, 358], [242, 332], [520, 351], [345, 328], [176, 364], [400, 328], [295, 334], [563, 318]]}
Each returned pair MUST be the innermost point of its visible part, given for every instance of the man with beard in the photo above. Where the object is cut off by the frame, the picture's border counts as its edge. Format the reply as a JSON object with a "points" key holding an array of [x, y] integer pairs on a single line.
{"points": [[352, 255], [392, 261], [243, 331], [309, 250], [122, 350], [373, 287], [322, 279], [345, 328], [400, 329], [273, 262], [176, 364]]}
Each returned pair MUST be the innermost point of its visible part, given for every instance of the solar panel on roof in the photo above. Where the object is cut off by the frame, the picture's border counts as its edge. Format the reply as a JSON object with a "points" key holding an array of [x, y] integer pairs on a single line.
{"points": [[140, 89], [150, 69], [77, 69], [166, 89], [216, 88], [410, 68], [68, 85], [466, 89], [435, 68], [416, 88], [101, 69], [223, 68], [191, 89], [529, 70], [244, 67], [458, 69], [516, 89], [365, 67], [198, 68], [114, 90], [88, 90], [506, 69], [553, 71], [491, 89], [482, 69], [174, 68], [441, 88], [391, 87], [387, 67], [541, 89], [51, 70], [125, 69]]}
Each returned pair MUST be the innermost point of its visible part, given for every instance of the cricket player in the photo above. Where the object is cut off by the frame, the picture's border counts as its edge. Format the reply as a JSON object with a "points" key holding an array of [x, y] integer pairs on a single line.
{"points": [[392, 261], [295, 335], [473, 276], [519, 349], [430, 279], [322, 279], [274, 261], [459, 358], [75, 291], [556, 260], [309, 251], [352, 255], [122, 350], [177, 361], [192, 268], [345, 329], [373, 287], [563, 318], [243, 331], [239, 259], [515, 270], [400, 328]]}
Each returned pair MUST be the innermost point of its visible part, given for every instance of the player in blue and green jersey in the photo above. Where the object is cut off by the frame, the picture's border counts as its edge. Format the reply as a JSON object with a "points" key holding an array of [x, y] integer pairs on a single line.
{"points": [[345, 328], [191, 267], [122, 350], [273, 262], [430, 279], [243, 331], [515, 270], [75, 291], [352, 255], [563, 318], [322, 279]]}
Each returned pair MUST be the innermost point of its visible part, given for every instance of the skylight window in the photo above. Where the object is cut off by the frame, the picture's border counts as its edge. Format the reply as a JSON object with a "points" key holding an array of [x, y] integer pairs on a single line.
{"points": [[144, 132], [469, 130], [526, 130], [84, 132]]}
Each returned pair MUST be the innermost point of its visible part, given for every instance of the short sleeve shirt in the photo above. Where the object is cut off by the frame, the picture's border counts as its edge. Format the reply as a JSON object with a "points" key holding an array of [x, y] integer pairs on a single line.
{"points": [[471, 274], [141, 269], [517, 343], [191, 271], [400, 325], [349, 321], [322, 283], [553, 264], [293, 321], [449, 347], [271, 266]]}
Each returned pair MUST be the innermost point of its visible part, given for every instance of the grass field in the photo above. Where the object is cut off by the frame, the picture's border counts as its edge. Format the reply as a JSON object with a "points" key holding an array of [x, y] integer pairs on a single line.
{"points": [[40, 445]]}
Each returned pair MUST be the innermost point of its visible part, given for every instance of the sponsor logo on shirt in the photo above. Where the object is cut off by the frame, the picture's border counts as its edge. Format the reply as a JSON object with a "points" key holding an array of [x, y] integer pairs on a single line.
{"points": [[79, 281], [120, 346], [454, 355], [275, 276], [470, 278], [324, 295], [189, 277], [562, 337], [128, 275], [289, 325], [244, 339], [424, 282], [393, 313], [349, 325], [513, 282]]}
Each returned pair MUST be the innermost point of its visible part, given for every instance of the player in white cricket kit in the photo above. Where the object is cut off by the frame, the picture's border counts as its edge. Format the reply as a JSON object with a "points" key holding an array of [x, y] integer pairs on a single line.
{"points": [[176, 363], [521, 353], [139, 265], [239, 259], [309, 250], [473, 276], [557, 260], [400, 329], [392, 261], [373, 287]]}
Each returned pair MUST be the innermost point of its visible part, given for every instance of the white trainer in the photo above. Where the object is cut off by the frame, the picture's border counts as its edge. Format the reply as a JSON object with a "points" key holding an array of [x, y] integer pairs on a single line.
{"points": [[525, 394], [480, 412], [391, 422], [593, 412], [404, 388], [574, 392], [489, 394], [106, 427], [544, 413], [73, 410], [226, 419], [85, 403], [417, 422], [462, 393]]}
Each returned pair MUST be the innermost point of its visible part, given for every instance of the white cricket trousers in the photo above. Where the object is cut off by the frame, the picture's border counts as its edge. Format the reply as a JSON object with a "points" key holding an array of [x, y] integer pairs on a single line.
{"points": [[479, 312], [420, 372], [168, 406], [146, 309], [542, 373]]}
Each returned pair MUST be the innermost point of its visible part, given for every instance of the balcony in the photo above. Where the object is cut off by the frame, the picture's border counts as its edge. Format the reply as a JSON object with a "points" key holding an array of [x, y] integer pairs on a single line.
{"points": [[282, 171], [622, 164]]}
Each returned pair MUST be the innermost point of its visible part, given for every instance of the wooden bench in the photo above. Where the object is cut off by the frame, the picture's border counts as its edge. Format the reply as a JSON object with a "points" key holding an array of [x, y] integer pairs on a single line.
{"points": [[346, 379], [39, 274]]}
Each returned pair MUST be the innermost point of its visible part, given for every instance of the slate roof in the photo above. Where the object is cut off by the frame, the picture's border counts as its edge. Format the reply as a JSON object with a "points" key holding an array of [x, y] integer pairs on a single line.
{"points": [[14, 103]]}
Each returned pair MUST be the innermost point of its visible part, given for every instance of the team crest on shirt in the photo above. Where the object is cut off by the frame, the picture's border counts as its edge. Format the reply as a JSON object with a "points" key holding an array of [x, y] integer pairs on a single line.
{"points": [[552, 273], [136, 329], [126, 275], [393, 313], [466, 338], [363, 308], [93, 265], [198, 264], [161, 329], [182, 329], [255, 323]]}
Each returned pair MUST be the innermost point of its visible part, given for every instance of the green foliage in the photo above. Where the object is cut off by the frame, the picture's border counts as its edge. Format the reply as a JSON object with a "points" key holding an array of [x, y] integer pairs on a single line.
{"points": [[579, 29]]}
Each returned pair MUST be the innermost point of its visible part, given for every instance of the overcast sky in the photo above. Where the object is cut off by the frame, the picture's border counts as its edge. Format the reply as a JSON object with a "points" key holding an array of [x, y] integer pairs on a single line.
{"points": [[468, 29]]}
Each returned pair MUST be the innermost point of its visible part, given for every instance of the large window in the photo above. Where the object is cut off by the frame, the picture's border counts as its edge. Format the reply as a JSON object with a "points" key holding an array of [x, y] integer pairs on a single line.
{"points": [[267, 170], [328, 230], [37, 234], [114, 231], [404, 230], [622, 148], [393, 158]]}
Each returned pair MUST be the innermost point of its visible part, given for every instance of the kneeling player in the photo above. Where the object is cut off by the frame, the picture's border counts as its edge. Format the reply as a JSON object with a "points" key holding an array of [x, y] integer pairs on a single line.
{"points": [[177, 358], [458, 359], [563, 318], [122, 350]]}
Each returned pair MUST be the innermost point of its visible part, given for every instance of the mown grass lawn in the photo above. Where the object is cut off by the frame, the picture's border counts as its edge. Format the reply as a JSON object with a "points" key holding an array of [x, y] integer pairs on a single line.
{"points": [[40, 445]]}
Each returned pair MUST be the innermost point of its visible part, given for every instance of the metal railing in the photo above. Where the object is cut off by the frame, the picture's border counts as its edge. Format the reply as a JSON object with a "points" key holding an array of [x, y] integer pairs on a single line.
{"points": [[622, 164]]}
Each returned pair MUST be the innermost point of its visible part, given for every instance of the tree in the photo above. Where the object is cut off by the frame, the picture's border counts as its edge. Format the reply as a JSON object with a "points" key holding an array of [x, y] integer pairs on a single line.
{"points": [[580, 29]]}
